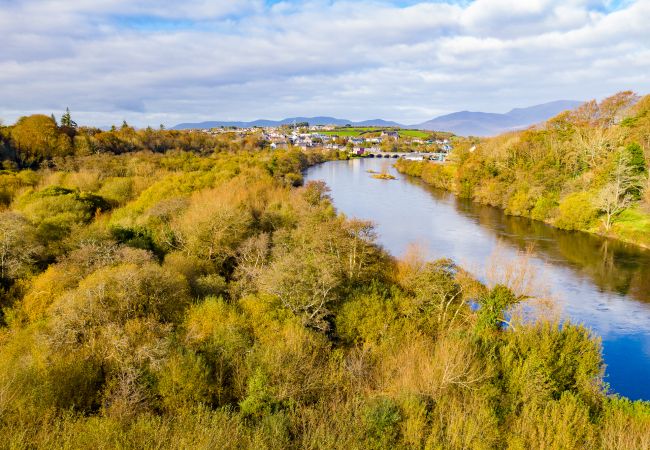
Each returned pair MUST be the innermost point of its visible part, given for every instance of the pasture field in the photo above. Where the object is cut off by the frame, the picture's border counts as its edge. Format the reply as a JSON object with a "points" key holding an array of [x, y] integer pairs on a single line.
{"points": [[359, 131]]}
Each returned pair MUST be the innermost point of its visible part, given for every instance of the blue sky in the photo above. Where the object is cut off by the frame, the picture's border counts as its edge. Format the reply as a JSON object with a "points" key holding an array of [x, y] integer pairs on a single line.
{"points": [[160, 61]]}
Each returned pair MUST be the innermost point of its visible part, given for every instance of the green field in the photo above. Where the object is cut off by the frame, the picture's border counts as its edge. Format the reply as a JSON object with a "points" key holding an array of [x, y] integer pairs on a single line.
{"points": [[414, 134], [350, 132], [358, 131], [633, 225]]}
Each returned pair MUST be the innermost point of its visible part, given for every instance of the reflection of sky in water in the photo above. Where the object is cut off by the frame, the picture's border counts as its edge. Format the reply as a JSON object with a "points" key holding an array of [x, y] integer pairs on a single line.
{"points": [[600, 283]]}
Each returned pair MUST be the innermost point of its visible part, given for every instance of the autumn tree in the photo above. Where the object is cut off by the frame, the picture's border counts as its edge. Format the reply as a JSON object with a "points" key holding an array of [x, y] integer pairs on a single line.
{"points": [[622, 188], [19, 249], [306, 284], [611, 108], [38, 137]]}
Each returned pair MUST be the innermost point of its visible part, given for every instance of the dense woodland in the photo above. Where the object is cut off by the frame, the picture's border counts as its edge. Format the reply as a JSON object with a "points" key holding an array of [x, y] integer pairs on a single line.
{"points": [[166, 289], [585, 169]]}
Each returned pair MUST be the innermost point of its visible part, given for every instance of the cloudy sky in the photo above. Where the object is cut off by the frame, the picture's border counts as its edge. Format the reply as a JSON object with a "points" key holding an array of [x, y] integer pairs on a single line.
{"points": [[163, 61]]}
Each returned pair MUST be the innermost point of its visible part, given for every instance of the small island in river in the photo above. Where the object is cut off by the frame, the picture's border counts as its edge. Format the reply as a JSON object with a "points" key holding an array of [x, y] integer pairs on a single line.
{"points": [[384, 176]]}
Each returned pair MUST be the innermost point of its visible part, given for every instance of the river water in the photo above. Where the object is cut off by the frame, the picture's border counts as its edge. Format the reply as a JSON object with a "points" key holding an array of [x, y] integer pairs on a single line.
{"points": [[601, 283]]}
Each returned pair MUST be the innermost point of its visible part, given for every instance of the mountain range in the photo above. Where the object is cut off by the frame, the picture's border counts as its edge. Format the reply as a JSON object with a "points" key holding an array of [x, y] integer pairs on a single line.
{"points": [[466, 123], [463, 123], [320, 120]]}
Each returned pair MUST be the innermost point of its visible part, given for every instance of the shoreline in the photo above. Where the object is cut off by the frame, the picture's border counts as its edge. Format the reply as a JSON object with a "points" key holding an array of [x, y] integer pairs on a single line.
{"points": [[640, 245]]}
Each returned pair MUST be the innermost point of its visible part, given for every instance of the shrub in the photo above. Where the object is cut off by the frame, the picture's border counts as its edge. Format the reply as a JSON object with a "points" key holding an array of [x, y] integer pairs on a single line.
{"points": [[19, 249], [184, 381], [520, 203], [56, 210], [381, 420], [117, 191], [543, 208], [576, 212]]}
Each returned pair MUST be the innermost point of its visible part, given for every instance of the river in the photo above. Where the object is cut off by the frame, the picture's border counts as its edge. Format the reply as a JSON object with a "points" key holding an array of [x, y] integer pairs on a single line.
{"points": [[601, 283]]}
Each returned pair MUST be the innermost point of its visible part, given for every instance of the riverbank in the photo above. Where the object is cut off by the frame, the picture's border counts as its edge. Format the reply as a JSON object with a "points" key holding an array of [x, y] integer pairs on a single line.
{"points": [[601, 283], [631, 226]]}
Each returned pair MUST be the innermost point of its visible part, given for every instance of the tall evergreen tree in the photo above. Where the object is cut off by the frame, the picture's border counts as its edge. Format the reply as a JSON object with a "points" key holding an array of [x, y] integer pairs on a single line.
{"points": [[66, 120], [637, 158]]}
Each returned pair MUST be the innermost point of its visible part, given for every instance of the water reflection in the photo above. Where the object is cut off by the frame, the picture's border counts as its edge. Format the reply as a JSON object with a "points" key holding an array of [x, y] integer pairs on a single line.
{"points": [[612, 265], [602, 283]]}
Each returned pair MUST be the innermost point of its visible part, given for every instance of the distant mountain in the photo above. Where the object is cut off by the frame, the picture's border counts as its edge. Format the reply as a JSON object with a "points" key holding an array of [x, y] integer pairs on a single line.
{"points": [[377, 123], [469, 123], [274, 123], [463, 123]]}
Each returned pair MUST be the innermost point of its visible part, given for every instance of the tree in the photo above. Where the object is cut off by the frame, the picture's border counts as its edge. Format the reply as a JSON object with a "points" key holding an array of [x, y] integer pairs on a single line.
{"points": [[212, 228], [305, 284], [576, 212], [492, 314], [622, 189], [37, 137], [66, 120], [611, 108], [18, 246], [637, 159], [591, 144]]}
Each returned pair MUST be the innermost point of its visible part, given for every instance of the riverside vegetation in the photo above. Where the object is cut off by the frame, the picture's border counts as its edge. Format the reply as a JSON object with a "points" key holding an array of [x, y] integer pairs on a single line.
{"points": [[169, 290], [585, 169]]}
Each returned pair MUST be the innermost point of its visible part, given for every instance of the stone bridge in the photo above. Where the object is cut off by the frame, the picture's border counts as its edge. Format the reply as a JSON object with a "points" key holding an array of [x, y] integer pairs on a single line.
{"points": [[408, 155]]}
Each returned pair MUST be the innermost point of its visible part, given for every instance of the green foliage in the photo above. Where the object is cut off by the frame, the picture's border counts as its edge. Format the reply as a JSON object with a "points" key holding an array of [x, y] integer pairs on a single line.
{"points": [[521, 203], [637, 159], [66, 120], [562, 423], [136, 237], [544, 207], [117, 191], [576, 212], [56, 210], [364, 316], [183, 381], [11, 183], [382, 418], [492, 308], [259, 401]]}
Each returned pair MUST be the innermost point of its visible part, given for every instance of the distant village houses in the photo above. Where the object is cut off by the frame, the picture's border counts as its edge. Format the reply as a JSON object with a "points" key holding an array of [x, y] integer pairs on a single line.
{"points": [[326, 137]]}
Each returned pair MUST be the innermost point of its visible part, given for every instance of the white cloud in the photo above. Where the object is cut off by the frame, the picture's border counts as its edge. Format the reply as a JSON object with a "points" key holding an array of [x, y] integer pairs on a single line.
{"points": [[242, 60]]}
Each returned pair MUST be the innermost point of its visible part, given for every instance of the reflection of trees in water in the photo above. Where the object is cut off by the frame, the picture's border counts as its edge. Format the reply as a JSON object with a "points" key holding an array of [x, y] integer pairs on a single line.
{"points": [[613, 266]]}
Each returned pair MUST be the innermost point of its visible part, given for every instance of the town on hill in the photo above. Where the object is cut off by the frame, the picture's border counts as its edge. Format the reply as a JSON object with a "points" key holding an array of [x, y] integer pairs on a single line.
{"points": [[357, 141]]}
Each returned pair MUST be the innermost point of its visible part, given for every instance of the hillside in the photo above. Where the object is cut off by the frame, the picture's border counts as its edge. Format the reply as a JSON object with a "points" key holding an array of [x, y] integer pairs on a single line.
{"points": [[468, 123], [585, 169]]}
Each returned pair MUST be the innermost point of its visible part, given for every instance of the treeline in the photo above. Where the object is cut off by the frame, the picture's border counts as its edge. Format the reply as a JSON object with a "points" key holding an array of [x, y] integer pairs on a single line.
{"points": [[36, 139], [180, 300], [585, 169]]}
